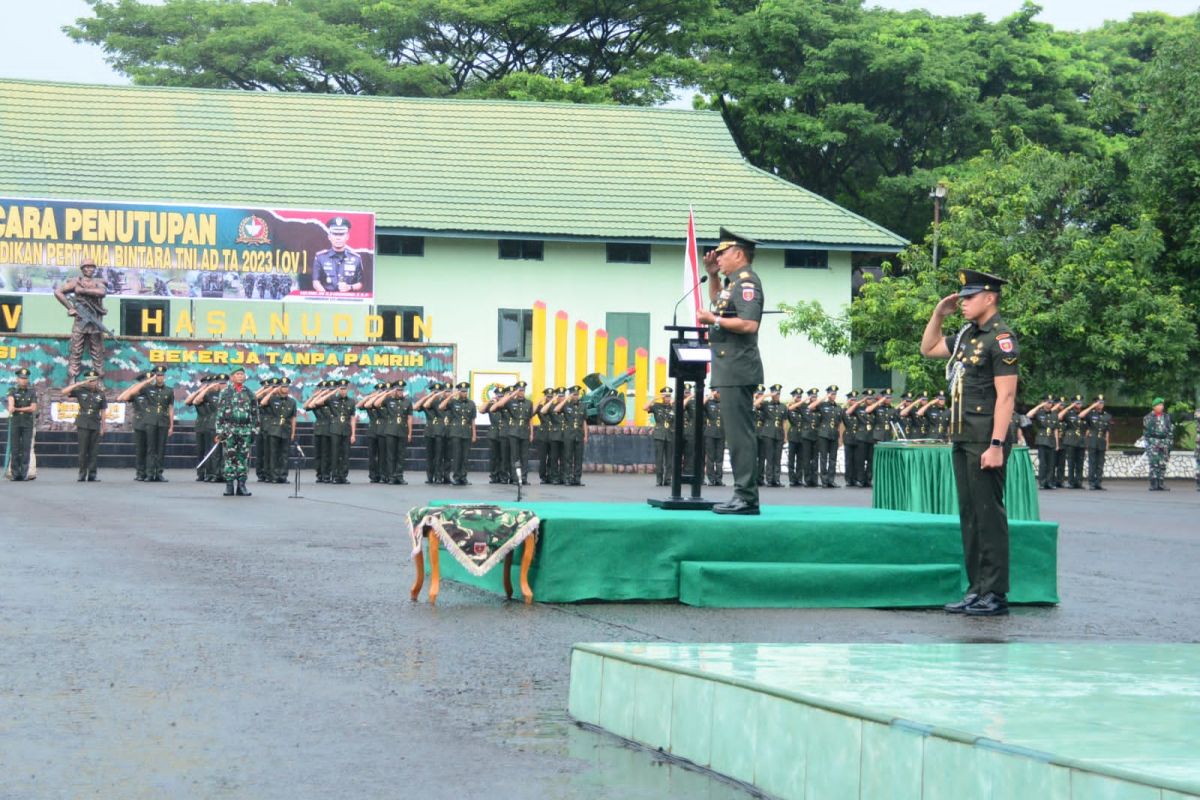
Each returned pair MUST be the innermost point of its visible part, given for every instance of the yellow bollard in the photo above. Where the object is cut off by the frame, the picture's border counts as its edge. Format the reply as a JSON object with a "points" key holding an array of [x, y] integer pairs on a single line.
{"points": [[537, 381], [601, 362], [620, 364], [560, 349], [581, 351], [641, 379]]}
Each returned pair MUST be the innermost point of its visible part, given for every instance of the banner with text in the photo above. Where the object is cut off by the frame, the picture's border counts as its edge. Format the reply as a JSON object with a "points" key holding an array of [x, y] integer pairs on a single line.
{"points": [[219, 252]]}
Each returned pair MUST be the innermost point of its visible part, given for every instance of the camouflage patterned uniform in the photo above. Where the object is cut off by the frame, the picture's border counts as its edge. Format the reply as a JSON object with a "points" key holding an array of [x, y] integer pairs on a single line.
{"points": [[1159, 431], [237, 414]]}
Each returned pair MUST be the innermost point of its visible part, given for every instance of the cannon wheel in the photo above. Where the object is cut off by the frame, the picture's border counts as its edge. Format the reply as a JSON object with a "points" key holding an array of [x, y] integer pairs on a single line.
{"points": [[611, 410]]}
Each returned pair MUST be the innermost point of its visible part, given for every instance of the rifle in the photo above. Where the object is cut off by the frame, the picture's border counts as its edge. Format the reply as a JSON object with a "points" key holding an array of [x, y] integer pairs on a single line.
{"points": [[89, 318]]}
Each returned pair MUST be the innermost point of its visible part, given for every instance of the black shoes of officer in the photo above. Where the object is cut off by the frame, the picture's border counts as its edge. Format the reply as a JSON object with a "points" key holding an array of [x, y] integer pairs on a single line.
{"points": [[992, 604], [81, 479], [957, 608], [736, 506], [242, 491], [229, 488]]}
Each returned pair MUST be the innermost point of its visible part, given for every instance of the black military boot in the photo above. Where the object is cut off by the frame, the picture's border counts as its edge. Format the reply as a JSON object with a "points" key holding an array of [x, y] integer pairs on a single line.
{"points": [[242, 491], [229, 488]]}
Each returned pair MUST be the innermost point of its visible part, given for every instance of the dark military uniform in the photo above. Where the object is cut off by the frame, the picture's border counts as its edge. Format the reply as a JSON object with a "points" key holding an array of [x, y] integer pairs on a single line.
{"points": [[460, 426], [237, 415], [342, 426], [160, 403], [736, 369], [574, 435], [795, 439], [851, 446], [689, 434], [434, 436], [376, 445], [1045, 422], [397, 426], [774, 415], [277, 417], [1074, 440], [1099, 422], [1060, 450], [332, 267], [978, 354], [498, 466], [810, 423], [664, 441], [20, 429], [864, 465], [519, 412], [88, 420], [541, 436], [138, 405], [939, 419], [829, 418], [322, 438], [714, 442], [211, 471]]}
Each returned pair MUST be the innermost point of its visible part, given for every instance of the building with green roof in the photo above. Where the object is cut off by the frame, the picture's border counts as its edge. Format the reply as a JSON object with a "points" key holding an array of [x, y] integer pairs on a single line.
{"points": [[482, 207]]}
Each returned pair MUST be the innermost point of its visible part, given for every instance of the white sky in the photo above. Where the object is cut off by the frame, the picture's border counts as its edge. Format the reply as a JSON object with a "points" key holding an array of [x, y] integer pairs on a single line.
{"points": [[36, 48]]}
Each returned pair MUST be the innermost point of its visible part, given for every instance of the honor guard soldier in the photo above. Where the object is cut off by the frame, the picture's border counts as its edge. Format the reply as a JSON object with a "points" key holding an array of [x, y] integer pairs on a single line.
{"points": [[885, 419], [774, 415], [864, 470], [278, 414], [89, 421], [237, 414], [139, 413], [497, 436], [1158, 429], [760, 434], [1045, 439], [1099, 422], [460, 413], [556, 435], [982, 370], [829, 422], [905, 418], [689, 427], [663, 410], [1073, 441], [851, 446], [160, 423], [204, 401], [322, 439], [917, 421], [428, 405], [575, 435], [541, 409], [519, 416], [338, 269], [1060, 454], [397, 412], [714, 439], [262, 394], [795, 438], [810, 420], [343, 429], [373, 431], [936, 418], [737, 307], [22, 415]]}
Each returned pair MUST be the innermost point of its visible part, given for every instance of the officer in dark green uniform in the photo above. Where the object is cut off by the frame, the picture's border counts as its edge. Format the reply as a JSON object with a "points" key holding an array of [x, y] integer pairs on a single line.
{"points": [[829, 419], [343, 430], [851, 446], [737, 306], [1073, 441], [795, 438], [1060, 454], [322, 441], [397, 431], [662, 408], [543, 412], [983, 367], [774, 417], [261, 471], [574, 437], [459, 414], [937, 418], [864, 470], [519, 417], [689, 427], [160, 422], [494, 434], [204, 401], [279, 428], [1045, 439], [810, 420], [434, 440], [22, 414], [89, 421], [760, 433], [373, 431], [714, 439], [1099, 423], [138, 413]]}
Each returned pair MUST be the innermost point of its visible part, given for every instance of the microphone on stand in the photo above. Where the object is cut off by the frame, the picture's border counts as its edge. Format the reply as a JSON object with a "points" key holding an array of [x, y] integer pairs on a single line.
{"points": [[686, 295]]}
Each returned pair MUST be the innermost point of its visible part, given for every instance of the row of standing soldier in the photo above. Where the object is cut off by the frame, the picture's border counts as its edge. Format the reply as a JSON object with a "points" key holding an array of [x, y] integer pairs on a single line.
{"points": [[1064, 434]]}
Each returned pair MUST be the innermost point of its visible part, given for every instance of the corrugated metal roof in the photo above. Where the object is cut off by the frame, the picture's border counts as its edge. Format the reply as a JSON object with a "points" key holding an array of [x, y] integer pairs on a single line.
{"points": [[437, 166]]}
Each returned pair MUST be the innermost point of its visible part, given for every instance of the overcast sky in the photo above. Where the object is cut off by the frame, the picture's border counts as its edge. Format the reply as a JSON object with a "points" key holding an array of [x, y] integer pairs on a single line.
{"points": [[37, 49]]}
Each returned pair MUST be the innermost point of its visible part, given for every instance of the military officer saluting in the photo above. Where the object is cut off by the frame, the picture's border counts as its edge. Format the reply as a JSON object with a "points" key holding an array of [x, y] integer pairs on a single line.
{"points": [[774, 416], [662, 408], [89, 421], [714, 439], [1074, 440], [279, 426], [338, 269], [575, 434], [829, 415], [460, 415], [795, 438], [518, 413], [22, 414], [983, 368], [1099, 422], [737, 306], [397, 412], [1045, 439]]}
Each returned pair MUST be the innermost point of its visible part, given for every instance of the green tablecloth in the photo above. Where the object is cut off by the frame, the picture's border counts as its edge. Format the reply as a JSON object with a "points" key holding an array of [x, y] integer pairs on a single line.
{"points": [[914, 477]]}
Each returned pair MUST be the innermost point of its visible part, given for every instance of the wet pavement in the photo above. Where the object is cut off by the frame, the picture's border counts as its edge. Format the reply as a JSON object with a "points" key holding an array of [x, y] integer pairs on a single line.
{"points": [[163, 641]]}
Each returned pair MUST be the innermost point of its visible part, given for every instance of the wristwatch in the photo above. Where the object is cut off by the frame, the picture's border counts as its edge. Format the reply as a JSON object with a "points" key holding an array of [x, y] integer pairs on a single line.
{"points": [[997, 443]]}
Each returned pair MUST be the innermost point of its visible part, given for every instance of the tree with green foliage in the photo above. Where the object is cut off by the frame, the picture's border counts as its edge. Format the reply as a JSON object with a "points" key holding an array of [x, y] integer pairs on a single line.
{"points": [[1086, 302]]}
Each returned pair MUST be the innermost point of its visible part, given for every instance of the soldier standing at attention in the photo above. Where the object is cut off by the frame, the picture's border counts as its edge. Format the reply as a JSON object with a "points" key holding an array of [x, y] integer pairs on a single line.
{"points": [[204, 401], [737, 306], [263, 392], [493, 435], [811, 421], [322, 443], [427, 405], [160, 423], [575, 435], [1060, 454], [1074, 441], [939, 419], [1046, 440], [397, 431], [556, 435], [829, 415], [851, 446], [760, 433], [137, 407], [460, 413], [518, 412], [663, 411], [865, 468], [795, 436], [714, 439], [1159, 431], [1099, 423], [542, 410], [236, 415], [983, 367], [775, 414], [89, 421], [343, 429], [279, 427], [22, 414]]}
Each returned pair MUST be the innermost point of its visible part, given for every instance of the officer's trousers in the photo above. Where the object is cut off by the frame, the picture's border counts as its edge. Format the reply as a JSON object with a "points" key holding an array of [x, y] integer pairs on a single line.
{"points": [[504, 469], [808, 454], [458, 447], [543, 457], [764, 459], [827, 460], [737, 420], [444, 460], [866, 464], [1060, 466], [341, 456], [433, 458], [89, 439], [1075, 466], [518, 453], [982, 517], [395, 452], [774, 460], [20, 442], [554, 467], [325, 457], [375, 447], [662, 461], [573, 460], [795, 468], [277, 455], [1095, 466], [139, 452], [261, 465], [1045, 466], [494, 458], [156, 449], [714, 456], [236, 450], [852, 451]]}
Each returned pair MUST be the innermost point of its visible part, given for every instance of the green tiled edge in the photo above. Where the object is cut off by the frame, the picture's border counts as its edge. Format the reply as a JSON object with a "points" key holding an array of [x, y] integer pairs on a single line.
{"points": [[993, 766], [423, 165]]}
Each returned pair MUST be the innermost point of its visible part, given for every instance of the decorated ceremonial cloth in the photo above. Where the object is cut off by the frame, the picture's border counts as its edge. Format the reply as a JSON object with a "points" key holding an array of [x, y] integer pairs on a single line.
{"points": [[478, 536]]}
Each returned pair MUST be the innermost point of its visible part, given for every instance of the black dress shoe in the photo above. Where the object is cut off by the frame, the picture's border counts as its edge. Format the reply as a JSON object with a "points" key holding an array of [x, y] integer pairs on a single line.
{"points": [[229, 488], [161, 479], [93, 479], [81, 479], [991, 604], [242, 491], [957, 608], [736, 506]]}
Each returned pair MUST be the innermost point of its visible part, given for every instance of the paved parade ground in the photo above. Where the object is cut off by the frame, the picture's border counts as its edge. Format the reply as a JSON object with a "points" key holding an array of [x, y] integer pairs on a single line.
{"points": [[163, 641]]}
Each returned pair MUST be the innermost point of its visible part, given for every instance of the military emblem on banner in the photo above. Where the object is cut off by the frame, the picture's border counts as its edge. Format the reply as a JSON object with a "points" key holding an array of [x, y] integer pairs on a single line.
{"points": [[253, 230]]}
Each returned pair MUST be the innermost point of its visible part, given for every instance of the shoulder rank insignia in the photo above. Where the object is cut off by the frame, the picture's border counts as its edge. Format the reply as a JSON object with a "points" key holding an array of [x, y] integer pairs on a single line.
{"points": [[1009, 361], [743, 274]]}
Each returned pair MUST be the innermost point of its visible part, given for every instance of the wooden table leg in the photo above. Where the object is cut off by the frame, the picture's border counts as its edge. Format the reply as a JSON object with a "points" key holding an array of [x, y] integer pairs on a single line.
{"points": [[526, 560], [435, 573], [508, 587], [419, 562]]}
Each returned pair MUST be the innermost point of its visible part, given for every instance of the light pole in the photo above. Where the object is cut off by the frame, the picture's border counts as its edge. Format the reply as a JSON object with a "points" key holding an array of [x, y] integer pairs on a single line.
{"points": [[939, 195]]}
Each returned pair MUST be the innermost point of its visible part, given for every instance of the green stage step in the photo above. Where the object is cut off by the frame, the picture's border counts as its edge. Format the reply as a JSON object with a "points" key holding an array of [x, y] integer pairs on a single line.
{"points": [[747, 584]]}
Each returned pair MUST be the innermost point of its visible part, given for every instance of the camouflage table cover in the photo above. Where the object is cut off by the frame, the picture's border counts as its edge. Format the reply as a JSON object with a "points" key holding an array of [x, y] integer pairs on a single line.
{"points": [[478, 536]]}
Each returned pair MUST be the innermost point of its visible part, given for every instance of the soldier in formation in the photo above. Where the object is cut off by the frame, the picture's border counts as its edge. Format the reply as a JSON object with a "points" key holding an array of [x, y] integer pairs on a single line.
{"points": [[499, 461], [89, 421], [1099, 425], [204, 401], [795, 438], [277, 420], [771, 415], [236, 416], [518, 418], [829, 418], [662, 408], [1045, 421], [574, 417], [153, 405], [1158, 429], [714, 440], [1074, 436], [460, 411], [22, 414], [392, 403]]}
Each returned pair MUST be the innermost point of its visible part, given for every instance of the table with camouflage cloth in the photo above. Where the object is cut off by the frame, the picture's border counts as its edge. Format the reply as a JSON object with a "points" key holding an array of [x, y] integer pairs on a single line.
{"points": [[478, 537]]}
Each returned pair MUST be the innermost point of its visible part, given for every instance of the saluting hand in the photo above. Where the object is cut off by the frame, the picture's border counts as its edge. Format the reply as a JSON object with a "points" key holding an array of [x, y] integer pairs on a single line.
{"points": [[947, 305]]}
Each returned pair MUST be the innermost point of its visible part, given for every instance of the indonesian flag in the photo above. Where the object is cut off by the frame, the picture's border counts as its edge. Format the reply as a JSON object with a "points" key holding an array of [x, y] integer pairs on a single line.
{"points": [[691, 271]]}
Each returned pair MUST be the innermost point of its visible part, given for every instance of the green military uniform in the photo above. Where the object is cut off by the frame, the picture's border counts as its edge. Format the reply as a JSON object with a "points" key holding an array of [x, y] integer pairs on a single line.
{"points": [[261, 469], [1046, 428], [277, 417], [918, 423], [978, 355], [851, 446], [795, 439], [736, 369], [139, 405], [1159, 432], [460, 432], [160, 404], [519, 412], [885, 420], [774, 417], [939, 419], [322, 437], [1074, 441], [689, 433], [376, 446], [1060, 452], [574, 437], [829, 418], [20, 428], [342, 426], [714, 441], [434, 430], [212, 470], [810, 423], [1099, 422], [497, 437], [540, 437], [864, 468], [236, 418], [397, 429], [88, 421], [664, 441], [555, 437]]}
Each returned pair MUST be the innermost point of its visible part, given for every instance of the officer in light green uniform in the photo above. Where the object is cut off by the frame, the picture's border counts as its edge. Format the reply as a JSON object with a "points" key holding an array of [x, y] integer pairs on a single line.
{"points": [[662, 408], [1099, 422], [22, 415], [984, 359], [737, 305], [714, 439], [459, 414], [237, 414], [89, 421], [574, 437]]}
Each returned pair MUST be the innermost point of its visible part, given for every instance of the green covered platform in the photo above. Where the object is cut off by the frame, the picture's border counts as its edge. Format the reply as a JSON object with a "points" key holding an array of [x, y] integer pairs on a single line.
{"points": [[790, 556], [894, 722]]}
